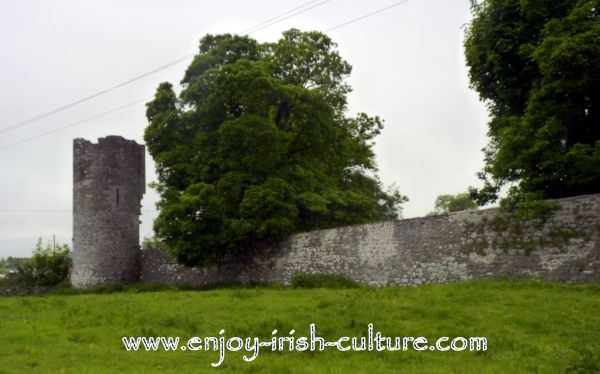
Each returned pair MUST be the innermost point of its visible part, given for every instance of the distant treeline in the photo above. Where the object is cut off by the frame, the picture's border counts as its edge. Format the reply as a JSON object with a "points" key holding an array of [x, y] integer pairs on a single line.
{"points": [[10, 264]]}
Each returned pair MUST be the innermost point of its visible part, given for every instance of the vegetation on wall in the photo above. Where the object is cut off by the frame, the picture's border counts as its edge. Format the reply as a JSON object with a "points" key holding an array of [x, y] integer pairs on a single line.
{"points": [[523, 234], [537, 66], [258, 145], [151, 243]]}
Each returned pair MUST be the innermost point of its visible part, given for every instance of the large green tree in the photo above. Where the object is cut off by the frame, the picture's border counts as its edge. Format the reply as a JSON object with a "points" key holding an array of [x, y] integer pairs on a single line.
{"points": [[258, 145], [537, 66]]}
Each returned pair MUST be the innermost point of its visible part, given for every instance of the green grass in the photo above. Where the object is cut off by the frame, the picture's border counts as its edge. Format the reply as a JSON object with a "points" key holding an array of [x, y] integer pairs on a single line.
{"points": [[530, 327]]}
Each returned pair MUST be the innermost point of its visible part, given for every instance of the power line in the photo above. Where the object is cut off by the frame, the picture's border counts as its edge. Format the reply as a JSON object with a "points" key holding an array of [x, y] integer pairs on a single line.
{"points": [[274, 18], [50, 210], [153, 71], [367, 15], [43, 115], [74, 123], [253, 29], [34, 211], [284, 18], [137, 101]]}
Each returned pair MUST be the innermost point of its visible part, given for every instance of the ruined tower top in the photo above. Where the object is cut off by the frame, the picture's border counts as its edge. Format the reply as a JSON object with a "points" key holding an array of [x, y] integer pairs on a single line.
{"points": [[108, 185]]}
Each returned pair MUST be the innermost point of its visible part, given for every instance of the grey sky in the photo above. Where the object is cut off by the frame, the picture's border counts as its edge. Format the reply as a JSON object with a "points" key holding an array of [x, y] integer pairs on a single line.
{"points": [[408, 68]]}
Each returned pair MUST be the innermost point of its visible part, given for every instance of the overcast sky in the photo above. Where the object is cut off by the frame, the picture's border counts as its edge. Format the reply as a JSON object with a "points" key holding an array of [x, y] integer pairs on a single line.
{"points": [[408, 68]]}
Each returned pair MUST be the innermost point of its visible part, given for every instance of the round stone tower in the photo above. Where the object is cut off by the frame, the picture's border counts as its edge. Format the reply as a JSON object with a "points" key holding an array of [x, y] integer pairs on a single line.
{"points": [[108, 185]]}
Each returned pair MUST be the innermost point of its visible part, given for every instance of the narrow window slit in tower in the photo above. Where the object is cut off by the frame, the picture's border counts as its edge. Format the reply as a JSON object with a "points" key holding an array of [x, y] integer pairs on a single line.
{"points": [[117, 196]]}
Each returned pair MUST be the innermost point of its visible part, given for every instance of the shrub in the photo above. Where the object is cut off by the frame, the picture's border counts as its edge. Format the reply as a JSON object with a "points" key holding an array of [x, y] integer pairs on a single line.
{"points": [[153, 243], [322, 281], [48, 266]]}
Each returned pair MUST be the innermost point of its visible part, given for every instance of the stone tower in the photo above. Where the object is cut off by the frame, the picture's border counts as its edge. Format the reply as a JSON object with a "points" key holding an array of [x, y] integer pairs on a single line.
{"points": [[108, 185]]}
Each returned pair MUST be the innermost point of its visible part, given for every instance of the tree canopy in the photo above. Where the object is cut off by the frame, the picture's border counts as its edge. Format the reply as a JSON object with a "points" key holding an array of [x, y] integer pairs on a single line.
{"points": [[453, 203], [258, 145], [537, 66]]}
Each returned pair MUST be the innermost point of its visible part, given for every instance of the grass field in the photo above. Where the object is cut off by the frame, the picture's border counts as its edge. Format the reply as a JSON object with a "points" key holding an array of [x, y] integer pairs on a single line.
{"points": [[530, 327]]}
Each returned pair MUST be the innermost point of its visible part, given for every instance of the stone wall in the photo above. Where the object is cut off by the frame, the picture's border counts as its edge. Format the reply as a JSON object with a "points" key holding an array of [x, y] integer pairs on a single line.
{"points": [[438, 249], [108, 185]]}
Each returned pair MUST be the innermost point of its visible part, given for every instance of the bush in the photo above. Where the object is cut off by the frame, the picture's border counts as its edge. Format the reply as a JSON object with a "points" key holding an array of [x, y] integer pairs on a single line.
{"points": [[153, 243], [48, 266], [322, 281]]}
